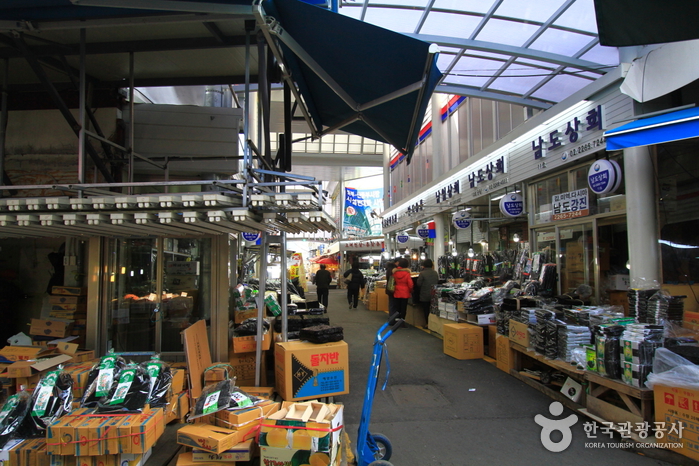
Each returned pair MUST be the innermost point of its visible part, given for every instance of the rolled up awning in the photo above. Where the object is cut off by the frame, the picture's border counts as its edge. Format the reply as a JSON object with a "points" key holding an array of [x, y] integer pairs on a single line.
{"points": [[668, 127]]}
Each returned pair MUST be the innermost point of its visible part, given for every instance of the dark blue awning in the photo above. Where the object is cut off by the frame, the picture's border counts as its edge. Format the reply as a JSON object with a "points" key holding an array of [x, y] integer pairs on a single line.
{"points": [[355, 76], [668, 127]]}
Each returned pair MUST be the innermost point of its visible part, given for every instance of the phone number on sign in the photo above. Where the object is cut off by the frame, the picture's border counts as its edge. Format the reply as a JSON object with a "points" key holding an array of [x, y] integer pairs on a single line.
{"points": [[594, 144]]}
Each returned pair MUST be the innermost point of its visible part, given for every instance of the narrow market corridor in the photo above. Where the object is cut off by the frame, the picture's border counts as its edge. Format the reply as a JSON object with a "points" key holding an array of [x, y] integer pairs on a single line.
{"points": [[437, 410]]}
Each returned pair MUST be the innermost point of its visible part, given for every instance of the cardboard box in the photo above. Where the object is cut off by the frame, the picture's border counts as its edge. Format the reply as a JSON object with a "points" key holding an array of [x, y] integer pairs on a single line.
{"points": [[374, 302], [481, 319], [207, 437], [69, 290], [381, 300], [619, 282], [689, 317], [244, 451], [279, 446], [29, 368], [19, 353], [178, 380], [235, 419], [436, 324], [244, 367], [306, 370], [57, 299], [248, 344], [463, 341], [505, 355], [50, 328], [519, 333], [197, 354], [492, 334], [260, 392], [675, 407]]}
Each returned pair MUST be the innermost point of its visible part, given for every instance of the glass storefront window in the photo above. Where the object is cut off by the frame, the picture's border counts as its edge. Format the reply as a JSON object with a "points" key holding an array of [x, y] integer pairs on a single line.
{"points": [[543, 193], [148, 307], [576, 256]]}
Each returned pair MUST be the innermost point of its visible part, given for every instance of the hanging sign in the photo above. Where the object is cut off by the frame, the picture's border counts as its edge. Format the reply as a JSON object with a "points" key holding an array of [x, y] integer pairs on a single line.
{"points": [[512, 205], [462, 219], [603, 176], [402, 238], [572, 204], [251, 236], [423, 231]]}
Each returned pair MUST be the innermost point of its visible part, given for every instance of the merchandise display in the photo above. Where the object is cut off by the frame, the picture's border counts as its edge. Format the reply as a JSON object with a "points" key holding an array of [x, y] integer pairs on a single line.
{"points": [[101, 377], [215, 397], [129, 392], [160, 381], [52, 398], [12, 414]]}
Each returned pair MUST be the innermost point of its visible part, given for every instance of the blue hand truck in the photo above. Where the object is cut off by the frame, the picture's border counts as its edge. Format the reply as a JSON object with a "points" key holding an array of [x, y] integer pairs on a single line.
{"points": [[376, 449]]}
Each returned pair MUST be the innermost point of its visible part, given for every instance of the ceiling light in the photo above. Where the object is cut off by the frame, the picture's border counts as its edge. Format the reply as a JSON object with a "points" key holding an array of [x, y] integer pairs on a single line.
{"points": [[515, 238], [471, 253]]}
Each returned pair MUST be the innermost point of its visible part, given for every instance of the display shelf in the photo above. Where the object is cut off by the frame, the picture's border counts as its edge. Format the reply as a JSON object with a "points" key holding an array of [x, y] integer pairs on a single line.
{"points": [[616, 401], [524, 357]]}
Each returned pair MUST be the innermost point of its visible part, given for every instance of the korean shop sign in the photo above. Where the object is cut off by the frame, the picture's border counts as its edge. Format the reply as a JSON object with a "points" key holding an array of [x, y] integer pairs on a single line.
{"points": [[569, 205], [569, 133]]}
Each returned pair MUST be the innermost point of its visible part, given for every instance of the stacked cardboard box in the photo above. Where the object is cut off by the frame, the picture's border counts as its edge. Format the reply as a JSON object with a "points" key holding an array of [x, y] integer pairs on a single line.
{"points": [[69, 303]]}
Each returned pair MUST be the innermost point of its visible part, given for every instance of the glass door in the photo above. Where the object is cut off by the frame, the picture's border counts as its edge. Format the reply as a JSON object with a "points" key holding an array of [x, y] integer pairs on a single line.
{"points": [[154, 290], [577, 265]]}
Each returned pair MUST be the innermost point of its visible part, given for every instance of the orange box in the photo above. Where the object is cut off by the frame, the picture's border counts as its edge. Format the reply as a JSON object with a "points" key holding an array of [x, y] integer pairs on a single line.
{"points": [[675, 413], [504, 354], [463, 341]]}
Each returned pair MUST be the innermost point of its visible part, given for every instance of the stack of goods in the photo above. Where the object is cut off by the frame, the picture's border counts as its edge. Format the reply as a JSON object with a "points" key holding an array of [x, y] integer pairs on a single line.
{"points": [[546, 332], [100, 379], [302, 433], [69, 304], [51, 399], [548, 279], [603, 315], [227, 420], [321, 334], [244, 303], [638, 303], [296, 323], [480, 302], [509, 309], [608, 349], [662, 307], [577, 316], [570, 337], [639, 342]]}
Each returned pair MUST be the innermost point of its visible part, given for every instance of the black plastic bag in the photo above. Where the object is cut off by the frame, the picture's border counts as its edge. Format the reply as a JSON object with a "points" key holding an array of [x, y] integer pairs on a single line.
{"points": [[100, 379], [321, 334], [215, 397], [51, 399], [129, 392], [161, 380], [12, 414]]}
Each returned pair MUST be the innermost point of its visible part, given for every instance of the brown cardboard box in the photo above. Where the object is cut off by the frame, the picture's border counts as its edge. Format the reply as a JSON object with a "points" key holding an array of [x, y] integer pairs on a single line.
{"points": [[235, 419], [463, 341], [29, 368], [208, 437], [196, 348], [57, 299], [373, 301], [675, 407], [244, 367], [492, 333], [50, 328], [260, 392], [178, 380], [307, 370], [69, 290], [519, 333], [248, 344], [505, 355], [19, 353], [244, 451], [381, 300]]}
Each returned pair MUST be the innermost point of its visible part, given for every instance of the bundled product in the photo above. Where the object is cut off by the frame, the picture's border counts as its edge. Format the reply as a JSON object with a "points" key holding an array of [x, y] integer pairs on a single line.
{"points": [[12, 415], [129, 392], [480, 302], [572, 338], [545, 333], [639, 342], [241, 400], [638, 303], [52, 398], [662, 307], [160, 382], [321, 334], [215, 397], [608, 347], [249, 327], [100, 379]]}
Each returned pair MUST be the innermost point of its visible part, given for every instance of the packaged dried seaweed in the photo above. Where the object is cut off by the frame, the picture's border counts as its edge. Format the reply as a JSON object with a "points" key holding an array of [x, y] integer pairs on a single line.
{"points": [[215, 397], [129, 392], [100, 379], [160, 381], [12, 414], [51, 399]]}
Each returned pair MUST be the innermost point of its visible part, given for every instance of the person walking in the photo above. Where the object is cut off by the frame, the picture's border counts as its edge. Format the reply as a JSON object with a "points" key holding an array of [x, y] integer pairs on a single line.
{"points": [[354, 279], [322, 280], [390, 266], [425, 281], [404, 287]]}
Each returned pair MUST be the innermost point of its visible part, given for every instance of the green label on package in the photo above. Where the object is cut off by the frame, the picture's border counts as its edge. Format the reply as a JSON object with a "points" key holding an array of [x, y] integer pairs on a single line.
{"points": [[106, 373], [9, 405], [243, 401], [44, 392], [125, 381], [211, 403]]}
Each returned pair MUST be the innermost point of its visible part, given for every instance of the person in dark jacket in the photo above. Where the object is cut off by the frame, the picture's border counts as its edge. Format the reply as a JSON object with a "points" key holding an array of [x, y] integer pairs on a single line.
{"points": [[425, 281], [322, 281], [356, 283]]}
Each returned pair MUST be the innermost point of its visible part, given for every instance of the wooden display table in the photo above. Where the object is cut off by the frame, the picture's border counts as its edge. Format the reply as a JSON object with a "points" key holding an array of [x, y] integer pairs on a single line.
{"points": [[615, 401], [523, 357]]}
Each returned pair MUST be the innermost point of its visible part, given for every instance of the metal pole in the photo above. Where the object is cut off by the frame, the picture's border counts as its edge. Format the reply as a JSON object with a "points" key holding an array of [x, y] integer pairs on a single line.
{"points": [[261, 307], [132, 116], [285, 312], [81, 117], [3, 119]]}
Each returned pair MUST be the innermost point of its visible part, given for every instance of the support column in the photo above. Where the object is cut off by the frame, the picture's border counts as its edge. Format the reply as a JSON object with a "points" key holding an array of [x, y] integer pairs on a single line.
{"points": [[641, 215], [437, 157], [439, 240]]}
